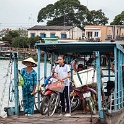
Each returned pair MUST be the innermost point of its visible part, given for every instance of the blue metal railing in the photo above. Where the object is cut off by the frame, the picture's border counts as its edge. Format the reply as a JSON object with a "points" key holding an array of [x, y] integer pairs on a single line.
{"points": [[120, 102]]}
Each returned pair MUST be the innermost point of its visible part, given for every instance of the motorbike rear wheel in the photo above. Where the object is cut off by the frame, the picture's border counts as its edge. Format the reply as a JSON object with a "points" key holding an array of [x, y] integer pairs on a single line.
{"points": [[44, 105], [75, 103]]}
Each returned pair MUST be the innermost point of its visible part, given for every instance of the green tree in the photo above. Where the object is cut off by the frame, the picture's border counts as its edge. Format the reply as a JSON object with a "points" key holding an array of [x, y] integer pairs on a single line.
{"points": [[119, 19], [7, 37], [14, 33], [32, 40], [70, 12], [22, 32], [10, 35], [63, 12], [20, 42], [97, 17]]}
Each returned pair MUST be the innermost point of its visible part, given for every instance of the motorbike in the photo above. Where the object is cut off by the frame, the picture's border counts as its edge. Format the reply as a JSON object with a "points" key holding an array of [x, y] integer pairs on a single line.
{"points": [[90, 96], [75, 97], [51, 102]]}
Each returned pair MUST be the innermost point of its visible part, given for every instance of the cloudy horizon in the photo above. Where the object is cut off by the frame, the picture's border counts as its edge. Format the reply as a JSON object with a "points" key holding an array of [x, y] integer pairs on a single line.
{"points": [[16, 14]]}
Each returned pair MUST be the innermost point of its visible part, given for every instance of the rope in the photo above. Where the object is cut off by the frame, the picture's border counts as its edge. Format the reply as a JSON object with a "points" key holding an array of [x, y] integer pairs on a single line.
{"points": [[79, 78], [10, 85], [11, 92], [4, 87]]}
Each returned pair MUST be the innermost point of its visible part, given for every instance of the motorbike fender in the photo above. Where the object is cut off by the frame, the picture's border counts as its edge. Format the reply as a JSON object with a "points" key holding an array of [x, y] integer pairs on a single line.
{"points": [[78, 94], [92, 90], [47, 93]]}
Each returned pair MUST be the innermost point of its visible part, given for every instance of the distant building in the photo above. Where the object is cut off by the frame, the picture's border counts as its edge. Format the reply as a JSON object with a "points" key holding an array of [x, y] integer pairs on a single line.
{"points": [[95, 31], [62, 32], [4, 32], [4, 43], [115, 32], [105, 33]]}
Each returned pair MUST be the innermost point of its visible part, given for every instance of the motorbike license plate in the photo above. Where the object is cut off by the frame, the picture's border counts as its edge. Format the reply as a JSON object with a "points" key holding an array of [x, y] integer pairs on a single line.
{"points": [[87, 94]]}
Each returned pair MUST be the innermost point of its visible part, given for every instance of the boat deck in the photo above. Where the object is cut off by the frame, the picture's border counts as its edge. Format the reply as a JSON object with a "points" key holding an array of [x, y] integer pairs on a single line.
{"points": [[76, 118]]}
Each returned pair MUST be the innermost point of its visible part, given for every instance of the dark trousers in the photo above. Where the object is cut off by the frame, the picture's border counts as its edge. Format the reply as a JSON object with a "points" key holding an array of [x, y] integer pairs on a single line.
{"points": [[65, 96]]}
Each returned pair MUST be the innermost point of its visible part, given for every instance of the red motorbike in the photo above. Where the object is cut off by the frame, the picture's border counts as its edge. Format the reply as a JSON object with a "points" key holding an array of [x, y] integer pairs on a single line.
{"points": [[50, 102], [87, 93]]}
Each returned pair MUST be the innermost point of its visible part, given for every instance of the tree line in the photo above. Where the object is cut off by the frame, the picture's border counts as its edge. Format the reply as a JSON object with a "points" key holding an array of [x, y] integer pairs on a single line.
{"points": [[72, 12], [62, 12], [20, 39]]}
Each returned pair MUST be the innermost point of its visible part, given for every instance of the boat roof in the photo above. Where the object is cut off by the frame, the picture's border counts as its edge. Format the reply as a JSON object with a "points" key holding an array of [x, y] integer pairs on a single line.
{"points": [[80, 47]]}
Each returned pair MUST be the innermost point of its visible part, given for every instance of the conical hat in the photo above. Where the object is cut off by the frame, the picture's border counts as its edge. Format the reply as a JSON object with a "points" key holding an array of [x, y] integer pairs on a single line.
{"points": [[34, 64]]}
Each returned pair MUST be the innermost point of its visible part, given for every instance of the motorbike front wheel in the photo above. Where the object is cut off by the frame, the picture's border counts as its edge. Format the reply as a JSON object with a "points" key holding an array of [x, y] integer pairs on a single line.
{"points": [[75, 103], [53, 103], [92, 106], [44, 105]]}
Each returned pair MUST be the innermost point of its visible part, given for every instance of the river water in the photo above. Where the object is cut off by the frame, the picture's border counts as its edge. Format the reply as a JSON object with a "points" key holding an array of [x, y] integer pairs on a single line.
{"points": [[5, 82]]}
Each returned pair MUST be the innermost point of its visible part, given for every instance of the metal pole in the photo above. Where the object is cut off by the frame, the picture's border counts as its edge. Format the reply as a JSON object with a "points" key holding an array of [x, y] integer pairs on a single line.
{"points": [[119, 79], [71, 70], [45, 65], [38, 77], [101, 115], [115, 68], [66, 59], [109, 67], [16, 95], [51, 62]]}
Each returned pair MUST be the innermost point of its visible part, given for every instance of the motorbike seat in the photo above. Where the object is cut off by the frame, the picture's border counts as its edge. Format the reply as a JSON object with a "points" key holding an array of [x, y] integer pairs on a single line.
{"points": [[77, 90]]}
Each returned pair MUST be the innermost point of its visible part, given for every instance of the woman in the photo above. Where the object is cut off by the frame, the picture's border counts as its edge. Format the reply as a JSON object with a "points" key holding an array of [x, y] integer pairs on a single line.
{"points": [[62, 71], [28, 89]]}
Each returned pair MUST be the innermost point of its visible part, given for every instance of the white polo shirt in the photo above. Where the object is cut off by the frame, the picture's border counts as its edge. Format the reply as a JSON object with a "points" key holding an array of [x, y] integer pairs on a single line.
{"points": [[62, 72]]}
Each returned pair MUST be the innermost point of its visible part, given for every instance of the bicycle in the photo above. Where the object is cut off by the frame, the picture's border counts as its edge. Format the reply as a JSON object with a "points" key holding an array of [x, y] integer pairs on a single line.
{"points": [[39, 94]]}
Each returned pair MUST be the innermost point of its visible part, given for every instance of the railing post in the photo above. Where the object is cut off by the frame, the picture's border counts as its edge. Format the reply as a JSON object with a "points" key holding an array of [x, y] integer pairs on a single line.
{"points": [[98, 69], [14, 55], [115, 68], [51, 63], [38, 77], [66, 59], [71, 59], [109, 67], [45, 65], [119, 79]]}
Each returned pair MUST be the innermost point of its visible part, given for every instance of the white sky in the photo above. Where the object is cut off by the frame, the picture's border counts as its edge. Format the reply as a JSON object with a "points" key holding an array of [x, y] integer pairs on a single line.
{"points": [[15, 14]]}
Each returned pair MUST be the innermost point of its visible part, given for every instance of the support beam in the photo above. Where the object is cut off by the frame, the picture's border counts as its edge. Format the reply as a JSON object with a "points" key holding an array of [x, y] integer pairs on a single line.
{"points": [[109, 66], [39, 77], [119, 80], [101, 115], [45, 65], [115, 68], [51, 63], [16, 94]]}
